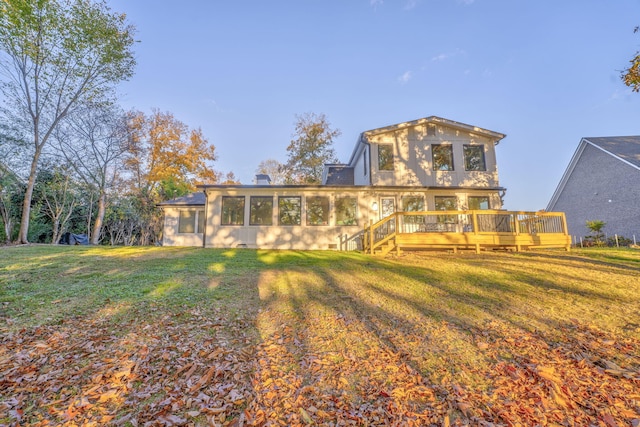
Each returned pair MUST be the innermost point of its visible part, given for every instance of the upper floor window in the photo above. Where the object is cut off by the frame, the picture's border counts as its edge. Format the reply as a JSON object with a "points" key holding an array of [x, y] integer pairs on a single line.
{"points": [[261, 210], [478, 202], [289, 210], [442, 157], [474, 158], [385, 157], [346, 211], [431, 129], [191, 221], [232, 210], [317, 210]]}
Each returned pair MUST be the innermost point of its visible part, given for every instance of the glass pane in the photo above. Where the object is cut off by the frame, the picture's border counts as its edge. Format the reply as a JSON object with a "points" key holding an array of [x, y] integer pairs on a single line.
{"points": [[261, 211], [187, 222], [346, 211], [446, 203], [474, 158], [478, 202], [388, 207], [385, 157], [200, 221], [317, 210], [232, 211], [289, 210], [412, 204], [442, 157]]}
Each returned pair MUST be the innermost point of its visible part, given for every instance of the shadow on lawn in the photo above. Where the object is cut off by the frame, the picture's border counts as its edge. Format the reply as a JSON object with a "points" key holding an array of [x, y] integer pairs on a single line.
{"points": [[265, 321]]}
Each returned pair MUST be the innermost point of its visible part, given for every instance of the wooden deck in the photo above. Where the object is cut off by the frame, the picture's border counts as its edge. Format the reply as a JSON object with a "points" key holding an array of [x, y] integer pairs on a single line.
{"points": [[476, 230]]}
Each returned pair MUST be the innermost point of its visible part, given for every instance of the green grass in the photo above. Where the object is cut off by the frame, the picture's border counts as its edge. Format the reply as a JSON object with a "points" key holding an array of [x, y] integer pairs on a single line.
{"points": [[304, 329]]}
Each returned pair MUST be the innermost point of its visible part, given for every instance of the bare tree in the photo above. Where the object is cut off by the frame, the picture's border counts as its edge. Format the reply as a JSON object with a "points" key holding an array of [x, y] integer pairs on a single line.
{"points": [[59, 196], [94, 143], [56, 54], [274, 169]]}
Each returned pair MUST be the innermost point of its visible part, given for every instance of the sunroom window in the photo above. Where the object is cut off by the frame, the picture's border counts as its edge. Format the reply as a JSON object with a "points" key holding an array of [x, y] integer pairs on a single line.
{"points": [[346, 211], [191, 221], [261, 210], [289, 210], [317, 210], [232, 210]]}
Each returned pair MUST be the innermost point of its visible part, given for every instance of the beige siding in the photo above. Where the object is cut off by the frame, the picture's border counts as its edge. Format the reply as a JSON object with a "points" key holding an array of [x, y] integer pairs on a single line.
{"points": [[306, 236], [413, 164], [170, 236]]}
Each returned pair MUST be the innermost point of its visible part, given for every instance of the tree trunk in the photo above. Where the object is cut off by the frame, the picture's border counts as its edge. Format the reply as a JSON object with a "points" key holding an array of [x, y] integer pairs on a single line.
{"points": [[97, 225], [28, 194]]}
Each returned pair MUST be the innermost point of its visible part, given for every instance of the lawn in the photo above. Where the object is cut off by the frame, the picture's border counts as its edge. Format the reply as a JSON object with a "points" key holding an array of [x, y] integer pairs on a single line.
{"points": [[190, 336]]}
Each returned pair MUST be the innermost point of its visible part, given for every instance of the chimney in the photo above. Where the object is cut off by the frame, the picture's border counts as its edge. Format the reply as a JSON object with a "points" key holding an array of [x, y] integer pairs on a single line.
{"points": [[263, 179]]}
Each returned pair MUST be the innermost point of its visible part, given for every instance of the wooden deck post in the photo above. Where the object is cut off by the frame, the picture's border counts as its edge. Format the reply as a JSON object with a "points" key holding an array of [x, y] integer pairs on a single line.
{"points": [[371, 236], [474, 221]]}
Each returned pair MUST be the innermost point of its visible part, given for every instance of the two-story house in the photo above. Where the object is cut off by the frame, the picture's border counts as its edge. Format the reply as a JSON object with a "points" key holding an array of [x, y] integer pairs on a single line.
{"points": [[430, 164]]}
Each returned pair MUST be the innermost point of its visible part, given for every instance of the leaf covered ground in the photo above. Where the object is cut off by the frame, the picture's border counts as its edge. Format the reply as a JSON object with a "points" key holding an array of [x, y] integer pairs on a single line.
{"points": [[167, 336]]}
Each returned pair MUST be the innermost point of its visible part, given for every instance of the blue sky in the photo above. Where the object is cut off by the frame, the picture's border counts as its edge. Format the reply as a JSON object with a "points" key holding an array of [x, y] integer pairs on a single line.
{"points": [[545, 73]]}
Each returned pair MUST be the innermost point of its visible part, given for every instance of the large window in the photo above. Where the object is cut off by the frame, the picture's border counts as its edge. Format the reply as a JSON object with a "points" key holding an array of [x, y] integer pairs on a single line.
{"points": [[232, 210], [318, 210], [289, 210], [261, 210], [446, 203], [385, 157], [346, 211], [191, 221], [442, 157], [413, 204], [474, 158], [479, 202]]}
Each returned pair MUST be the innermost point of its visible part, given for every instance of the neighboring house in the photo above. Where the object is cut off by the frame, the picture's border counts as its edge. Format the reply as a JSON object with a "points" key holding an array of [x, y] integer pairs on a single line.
{"points": [[602, 182], [426, 164]]}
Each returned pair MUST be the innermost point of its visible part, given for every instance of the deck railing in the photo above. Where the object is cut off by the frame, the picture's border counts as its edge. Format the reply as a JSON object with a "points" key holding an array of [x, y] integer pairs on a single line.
{"points": [[468, 229]]}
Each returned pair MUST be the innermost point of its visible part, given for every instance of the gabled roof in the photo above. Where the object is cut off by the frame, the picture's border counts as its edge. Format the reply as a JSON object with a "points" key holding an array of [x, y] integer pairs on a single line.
{"points": [[437, 120], [193, 199], [625, 148], [496, 136]]}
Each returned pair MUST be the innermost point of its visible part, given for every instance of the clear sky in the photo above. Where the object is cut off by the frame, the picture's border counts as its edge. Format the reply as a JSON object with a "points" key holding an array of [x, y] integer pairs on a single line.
{"points": [[545, 73]]}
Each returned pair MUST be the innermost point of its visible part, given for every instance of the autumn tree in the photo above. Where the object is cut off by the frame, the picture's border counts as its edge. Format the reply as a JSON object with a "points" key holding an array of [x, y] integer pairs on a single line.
{"points": [[230, 179], [57, 53], [94, 143], [163, 149], [631, 75], [310, 148], [165, 158], [274, 169]]}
